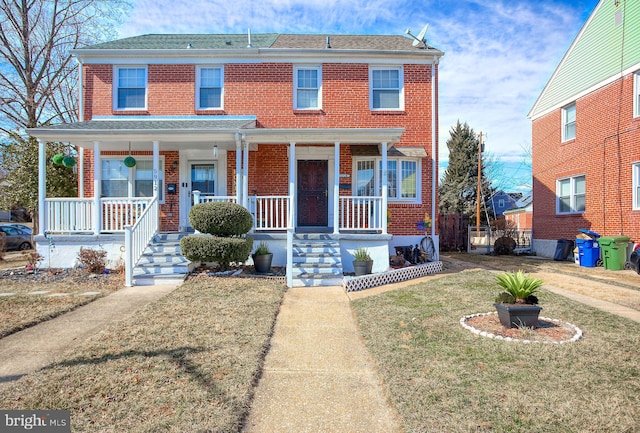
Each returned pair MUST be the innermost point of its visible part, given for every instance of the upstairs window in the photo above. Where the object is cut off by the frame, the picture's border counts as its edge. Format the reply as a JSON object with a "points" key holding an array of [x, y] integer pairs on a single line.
{"points": [[570, 195], [386, 88], [307, 88], [210, 88], [636, 94], [636, 186], [130, 92], [569, 122]]}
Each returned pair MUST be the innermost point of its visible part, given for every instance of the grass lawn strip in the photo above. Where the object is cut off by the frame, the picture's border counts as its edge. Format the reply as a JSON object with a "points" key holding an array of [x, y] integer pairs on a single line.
{"points": [[185, 363], [24, 308], [442, 378]]}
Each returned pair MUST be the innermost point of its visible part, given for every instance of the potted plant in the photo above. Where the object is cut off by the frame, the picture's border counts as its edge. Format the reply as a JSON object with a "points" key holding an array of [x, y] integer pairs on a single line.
{"points": [[262, 258], [362, 264], [517, 305]]}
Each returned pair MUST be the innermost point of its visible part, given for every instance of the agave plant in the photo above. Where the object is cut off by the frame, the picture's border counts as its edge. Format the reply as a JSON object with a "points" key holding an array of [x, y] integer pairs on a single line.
{"points": [[519, 288]]}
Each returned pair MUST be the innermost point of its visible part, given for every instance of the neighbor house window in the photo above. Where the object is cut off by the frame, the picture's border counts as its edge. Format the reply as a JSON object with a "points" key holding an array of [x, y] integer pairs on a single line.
{"points": [[210, 88], [402, 179], [386, 88], [636, 94], [307, 84], [570, 194], [118, 180], [636, 186], [569, 122], [130, 88]]}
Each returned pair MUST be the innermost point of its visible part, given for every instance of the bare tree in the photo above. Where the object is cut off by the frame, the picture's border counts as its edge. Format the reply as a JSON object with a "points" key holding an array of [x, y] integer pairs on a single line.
{"points": [[38, 81]]}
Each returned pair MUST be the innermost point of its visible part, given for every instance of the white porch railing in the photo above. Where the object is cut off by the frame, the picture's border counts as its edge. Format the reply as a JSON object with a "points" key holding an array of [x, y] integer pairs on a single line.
{"points": [[69, 215], [199, 197], [360, 213], [138, 236], [117, 213]]}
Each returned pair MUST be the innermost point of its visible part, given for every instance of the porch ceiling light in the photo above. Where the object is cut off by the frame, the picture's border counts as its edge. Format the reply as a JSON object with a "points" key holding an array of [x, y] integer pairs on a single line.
{"points": [[215, 151]]}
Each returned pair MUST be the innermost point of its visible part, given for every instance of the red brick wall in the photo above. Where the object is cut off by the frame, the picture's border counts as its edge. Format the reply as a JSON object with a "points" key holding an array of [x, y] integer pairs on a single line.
{"points": [[266, 91], [600, 153]]}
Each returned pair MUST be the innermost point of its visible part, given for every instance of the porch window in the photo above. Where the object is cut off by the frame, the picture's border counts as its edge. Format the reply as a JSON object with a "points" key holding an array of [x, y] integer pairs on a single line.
{"points": [[210, 88], [403, 183], [307, 88], [570, 194], [130, 92], [386, 88], [120, 181]]}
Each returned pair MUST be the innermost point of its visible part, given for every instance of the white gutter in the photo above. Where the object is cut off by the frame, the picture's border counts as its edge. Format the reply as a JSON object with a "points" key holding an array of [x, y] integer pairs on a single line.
{"points": [[434, 146]]}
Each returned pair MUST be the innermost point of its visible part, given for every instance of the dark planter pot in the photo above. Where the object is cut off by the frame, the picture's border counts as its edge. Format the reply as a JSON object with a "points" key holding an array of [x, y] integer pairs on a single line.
{"points": [[362, 267], [262, 262], [516, 315]]}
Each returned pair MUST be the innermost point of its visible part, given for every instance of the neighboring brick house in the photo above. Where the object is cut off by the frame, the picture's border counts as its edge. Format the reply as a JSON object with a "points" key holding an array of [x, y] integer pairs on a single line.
{"points": [[294, 127], [586, 130]]}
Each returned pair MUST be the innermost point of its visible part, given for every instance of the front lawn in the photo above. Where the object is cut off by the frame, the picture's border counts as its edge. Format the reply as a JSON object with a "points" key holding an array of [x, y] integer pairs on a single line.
{"points": [[442, 378], [185, 363]]}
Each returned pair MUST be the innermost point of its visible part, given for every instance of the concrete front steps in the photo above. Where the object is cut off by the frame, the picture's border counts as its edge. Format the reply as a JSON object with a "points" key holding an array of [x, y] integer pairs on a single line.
{"points": [[162, 262], [316, 260]]}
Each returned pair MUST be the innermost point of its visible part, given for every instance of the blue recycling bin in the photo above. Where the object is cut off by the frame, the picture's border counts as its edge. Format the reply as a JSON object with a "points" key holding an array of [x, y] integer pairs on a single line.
{"points": [[588, 249]]}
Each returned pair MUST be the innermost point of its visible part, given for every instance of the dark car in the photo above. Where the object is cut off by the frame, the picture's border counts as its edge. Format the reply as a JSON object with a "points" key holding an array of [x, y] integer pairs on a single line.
{"points": [[21, 227], [16, 239]]}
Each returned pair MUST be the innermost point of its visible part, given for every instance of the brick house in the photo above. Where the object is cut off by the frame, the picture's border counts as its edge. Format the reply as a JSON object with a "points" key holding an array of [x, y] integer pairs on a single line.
{"points": [[585, 133], [296, 128]]}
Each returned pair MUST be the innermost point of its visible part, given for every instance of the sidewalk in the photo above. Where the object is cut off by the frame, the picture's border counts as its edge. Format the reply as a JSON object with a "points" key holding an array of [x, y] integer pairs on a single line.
{"points": [[318, 376], [36, 347]]}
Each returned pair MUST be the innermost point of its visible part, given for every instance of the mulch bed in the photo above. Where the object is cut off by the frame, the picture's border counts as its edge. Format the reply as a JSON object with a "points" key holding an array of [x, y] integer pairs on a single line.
{"points": [[545, 331]]}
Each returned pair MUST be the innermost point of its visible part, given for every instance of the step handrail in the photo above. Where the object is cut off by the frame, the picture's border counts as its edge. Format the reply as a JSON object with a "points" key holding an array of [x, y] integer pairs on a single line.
{"points": [[138, 236]]}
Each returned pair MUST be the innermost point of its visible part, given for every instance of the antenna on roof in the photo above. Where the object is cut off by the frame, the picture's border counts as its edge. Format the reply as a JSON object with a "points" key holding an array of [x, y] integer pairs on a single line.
{"points": [[421, 38], [249, 38]]}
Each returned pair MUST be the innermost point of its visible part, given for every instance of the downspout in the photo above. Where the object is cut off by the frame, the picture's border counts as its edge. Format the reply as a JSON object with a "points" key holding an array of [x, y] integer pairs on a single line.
{"points": [[434, 145]]}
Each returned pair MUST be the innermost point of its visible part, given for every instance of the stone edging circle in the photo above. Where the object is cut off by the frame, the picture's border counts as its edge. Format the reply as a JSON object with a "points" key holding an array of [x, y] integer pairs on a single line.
{"points": [[577, 331]]}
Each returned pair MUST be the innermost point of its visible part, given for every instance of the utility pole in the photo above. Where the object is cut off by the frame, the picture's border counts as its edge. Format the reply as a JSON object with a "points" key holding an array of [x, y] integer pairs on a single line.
{"points": [[479, 196]]}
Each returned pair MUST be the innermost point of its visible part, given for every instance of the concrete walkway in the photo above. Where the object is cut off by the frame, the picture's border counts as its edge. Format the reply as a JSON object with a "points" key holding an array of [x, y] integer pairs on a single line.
{"points": [[36, 347], [318, 376]]}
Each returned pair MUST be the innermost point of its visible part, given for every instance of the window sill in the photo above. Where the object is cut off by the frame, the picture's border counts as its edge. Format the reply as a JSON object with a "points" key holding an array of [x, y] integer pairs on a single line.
{"points": [[569, 141], [309, 111], [210, 111], [569, 214], [131, 112], [389, 112]]}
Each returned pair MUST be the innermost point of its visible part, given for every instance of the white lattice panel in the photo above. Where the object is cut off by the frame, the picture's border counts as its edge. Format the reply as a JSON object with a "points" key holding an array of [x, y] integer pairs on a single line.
{"points": [[354, 284]]}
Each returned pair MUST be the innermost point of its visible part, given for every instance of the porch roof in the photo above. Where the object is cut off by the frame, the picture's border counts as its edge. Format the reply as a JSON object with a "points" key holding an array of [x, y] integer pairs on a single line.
{"points": [[203, 131]]}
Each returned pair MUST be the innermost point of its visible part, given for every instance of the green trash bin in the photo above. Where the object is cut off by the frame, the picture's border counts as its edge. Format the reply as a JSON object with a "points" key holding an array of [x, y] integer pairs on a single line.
{"points": [[614, 251]]}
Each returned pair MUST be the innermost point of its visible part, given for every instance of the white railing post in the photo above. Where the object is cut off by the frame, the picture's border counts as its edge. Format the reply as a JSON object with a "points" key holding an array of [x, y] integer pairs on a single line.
{"points": [[336, 186], [128, 257], [290, 257], [42, 186], [196, 197], [97, 176], [385, 181]]}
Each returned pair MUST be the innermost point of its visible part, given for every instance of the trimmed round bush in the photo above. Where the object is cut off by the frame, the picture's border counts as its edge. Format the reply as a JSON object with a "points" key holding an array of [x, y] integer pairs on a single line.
{"points": [[220, 219], [223, 251], [504, 246]]}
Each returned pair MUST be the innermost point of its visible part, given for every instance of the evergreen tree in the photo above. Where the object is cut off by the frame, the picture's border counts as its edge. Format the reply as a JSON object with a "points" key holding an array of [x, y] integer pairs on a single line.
{"points": [[459, 187]]}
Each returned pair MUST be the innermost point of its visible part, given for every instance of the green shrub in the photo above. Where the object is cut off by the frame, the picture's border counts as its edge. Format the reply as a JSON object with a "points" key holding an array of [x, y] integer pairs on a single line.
{"points": [[220, 219], [216, 249]]}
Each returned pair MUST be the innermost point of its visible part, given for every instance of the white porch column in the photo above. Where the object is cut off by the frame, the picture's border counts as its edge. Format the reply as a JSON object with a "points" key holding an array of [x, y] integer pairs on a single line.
{"points": [[245, 176], [336, 187], [383, 211], [292, 182], [97, 188], [81, 172], [238, 169], [156, 170], [42, 186]]}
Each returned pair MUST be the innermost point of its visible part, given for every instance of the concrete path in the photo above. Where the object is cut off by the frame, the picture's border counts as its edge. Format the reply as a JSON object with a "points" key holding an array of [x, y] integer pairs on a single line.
{"points": [[318, 376], [36, 347]]}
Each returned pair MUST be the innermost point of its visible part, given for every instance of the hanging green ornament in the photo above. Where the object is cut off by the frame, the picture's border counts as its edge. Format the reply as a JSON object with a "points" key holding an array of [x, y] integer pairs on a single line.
{"points": [[68, 161], [130, 161], [57, 159]]}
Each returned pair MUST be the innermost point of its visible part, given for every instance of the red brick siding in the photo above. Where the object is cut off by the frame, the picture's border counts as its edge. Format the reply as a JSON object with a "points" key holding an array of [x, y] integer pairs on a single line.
{"points": [[596, 152]]}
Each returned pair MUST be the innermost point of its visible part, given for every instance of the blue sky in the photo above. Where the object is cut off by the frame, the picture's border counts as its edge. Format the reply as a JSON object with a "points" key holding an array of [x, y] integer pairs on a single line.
{"points": [[498, 53]]}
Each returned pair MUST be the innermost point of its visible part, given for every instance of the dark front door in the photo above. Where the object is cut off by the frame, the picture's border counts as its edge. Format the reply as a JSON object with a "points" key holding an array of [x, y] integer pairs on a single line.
{"points": [[313, 192]]}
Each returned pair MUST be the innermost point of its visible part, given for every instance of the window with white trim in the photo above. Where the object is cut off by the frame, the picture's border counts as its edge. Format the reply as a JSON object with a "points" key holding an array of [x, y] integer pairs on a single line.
{"points": [[569, 122], [307, 82], [118, 180], [130, 88], [403, 179], [386, 88], [210, 88], [636, 186], [570, 195], [636, 94]]}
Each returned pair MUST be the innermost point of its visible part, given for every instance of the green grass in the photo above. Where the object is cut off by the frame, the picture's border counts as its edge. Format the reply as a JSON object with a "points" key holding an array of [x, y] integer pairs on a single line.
{"points": [[188, 362], [442, 378]]}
